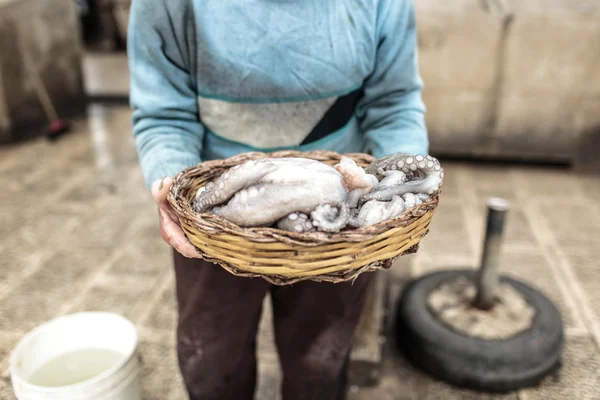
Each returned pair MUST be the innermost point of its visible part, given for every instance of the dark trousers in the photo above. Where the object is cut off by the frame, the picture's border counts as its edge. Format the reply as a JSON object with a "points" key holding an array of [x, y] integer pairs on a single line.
{"points": [[218, 321]]}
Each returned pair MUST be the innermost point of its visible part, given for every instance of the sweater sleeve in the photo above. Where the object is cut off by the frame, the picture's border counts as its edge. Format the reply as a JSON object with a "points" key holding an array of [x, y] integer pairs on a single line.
{"points": [[166, 125], [392, 111]]}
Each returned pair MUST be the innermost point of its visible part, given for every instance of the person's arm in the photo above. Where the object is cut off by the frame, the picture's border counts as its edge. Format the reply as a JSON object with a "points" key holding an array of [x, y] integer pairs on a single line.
{"points": [[166, 125], [392, 111]]}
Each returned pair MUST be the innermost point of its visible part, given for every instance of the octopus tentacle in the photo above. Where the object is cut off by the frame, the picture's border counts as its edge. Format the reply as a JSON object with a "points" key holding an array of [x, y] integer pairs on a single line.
{"points": [[296, 222], [331, 217], [410, 200], [375, 211], [387, 163], [354, 196], [354, 177], [229, 183], [392, 178], [429, 176]]}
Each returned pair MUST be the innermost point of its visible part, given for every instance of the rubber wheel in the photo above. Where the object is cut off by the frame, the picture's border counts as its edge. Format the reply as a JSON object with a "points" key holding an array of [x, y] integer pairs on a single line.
{"points": [[496, 366]]}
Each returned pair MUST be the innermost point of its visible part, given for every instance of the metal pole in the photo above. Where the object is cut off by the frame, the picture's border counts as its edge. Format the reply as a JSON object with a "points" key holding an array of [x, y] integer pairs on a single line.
{"points": [[487, 277]]}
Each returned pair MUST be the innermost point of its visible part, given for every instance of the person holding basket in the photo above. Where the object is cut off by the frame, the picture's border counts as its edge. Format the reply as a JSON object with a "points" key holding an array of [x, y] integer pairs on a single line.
{"points": [[210, 80]]}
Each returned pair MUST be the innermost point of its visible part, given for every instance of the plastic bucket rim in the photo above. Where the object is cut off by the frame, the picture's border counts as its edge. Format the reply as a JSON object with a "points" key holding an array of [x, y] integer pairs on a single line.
{"points": [[98, 389], [23, 382], [132, 375]]}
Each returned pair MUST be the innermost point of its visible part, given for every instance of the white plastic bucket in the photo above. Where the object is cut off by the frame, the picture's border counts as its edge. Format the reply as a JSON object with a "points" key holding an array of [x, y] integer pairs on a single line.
{"points": [[80, 331]]}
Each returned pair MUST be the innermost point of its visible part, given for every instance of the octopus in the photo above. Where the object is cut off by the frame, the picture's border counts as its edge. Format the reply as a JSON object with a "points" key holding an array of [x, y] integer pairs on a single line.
{"points": [[305, 195], [375, 211], [282, 191], [427, 176]]}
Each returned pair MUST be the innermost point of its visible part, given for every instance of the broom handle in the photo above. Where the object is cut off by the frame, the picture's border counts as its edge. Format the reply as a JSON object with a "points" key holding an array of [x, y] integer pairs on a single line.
{"points": [[39, 88]]}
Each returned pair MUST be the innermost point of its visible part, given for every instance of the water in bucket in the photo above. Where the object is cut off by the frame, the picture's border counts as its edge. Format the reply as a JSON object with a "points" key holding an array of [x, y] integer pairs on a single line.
{"points": [[75, 367]]}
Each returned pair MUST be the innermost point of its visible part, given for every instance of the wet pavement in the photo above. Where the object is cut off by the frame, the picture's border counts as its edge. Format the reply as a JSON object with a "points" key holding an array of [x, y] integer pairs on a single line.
{"points": [[78, 231]]}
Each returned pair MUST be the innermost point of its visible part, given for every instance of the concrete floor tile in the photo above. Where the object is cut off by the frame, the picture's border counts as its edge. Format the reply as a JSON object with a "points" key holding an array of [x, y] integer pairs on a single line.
{"points": [[573, 225], [268, 382], [426, 265], [7, 344], [164, 314], [533, 270], [505, 193], [16, 256], [492, 180], [400, 381], [145, 242], [90, 193], [590, 186], [586, 266], [448, 232], [107, 299], [517, 229], [40, 296], [160, 373], [133, 263], [551, 183], [265, 337], [578, 378], [52, 227], [104, 229], [6, 392]]}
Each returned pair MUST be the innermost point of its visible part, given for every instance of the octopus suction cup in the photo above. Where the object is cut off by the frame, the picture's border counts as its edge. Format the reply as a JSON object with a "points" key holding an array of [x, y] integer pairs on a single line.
{"points": [[479, 330]]}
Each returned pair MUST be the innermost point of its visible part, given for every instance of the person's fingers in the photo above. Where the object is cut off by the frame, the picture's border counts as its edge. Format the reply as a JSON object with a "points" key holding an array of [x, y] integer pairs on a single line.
{"points": [[160, 189], [170, 230], [166, 207], [172, 233], [185, 248]]}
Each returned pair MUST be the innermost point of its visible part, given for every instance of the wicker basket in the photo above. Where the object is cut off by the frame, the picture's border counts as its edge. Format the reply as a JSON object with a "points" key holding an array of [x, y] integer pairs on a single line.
{"points": [[283, 257]]}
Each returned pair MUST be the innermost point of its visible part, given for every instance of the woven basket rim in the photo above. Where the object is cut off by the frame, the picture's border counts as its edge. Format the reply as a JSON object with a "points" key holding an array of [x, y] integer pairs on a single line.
{"points": [[215, 224]]}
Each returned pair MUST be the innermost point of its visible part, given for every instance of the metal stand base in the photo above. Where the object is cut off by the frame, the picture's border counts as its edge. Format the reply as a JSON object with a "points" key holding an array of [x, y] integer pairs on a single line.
{"points": [[504, 365]]}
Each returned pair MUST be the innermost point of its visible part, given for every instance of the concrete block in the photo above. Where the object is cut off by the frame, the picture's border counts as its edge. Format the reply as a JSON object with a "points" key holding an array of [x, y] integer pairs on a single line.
{"points": [[458, 44], [4, 118], [46, 32], [552, 48], [456, 118], [587, 123], [550, 83], [535, 124]]}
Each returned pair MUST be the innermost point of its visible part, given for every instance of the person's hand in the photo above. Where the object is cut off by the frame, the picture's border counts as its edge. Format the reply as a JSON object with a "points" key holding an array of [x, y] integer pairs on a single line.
{"points": [[170, 229]]}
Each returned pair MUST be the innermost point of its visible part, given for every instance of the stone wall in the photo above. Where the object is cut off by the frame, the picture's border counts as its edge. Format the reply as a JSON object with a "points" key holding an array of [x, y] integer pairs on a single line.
{"points": [[512, 78], [48, 33]]}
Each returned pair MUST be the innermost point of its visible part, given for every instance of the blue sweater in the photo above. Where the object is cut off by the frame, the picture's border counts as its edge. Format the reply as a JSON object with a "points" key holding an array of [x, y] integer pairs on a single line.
{"points": [[214, 78]]}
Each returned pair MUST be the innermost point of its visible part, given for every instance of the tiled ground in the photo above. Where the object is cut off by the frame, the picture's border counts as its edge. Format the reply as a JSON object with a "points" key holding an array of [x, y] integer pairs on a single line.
{"points": [[78, 231]]}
